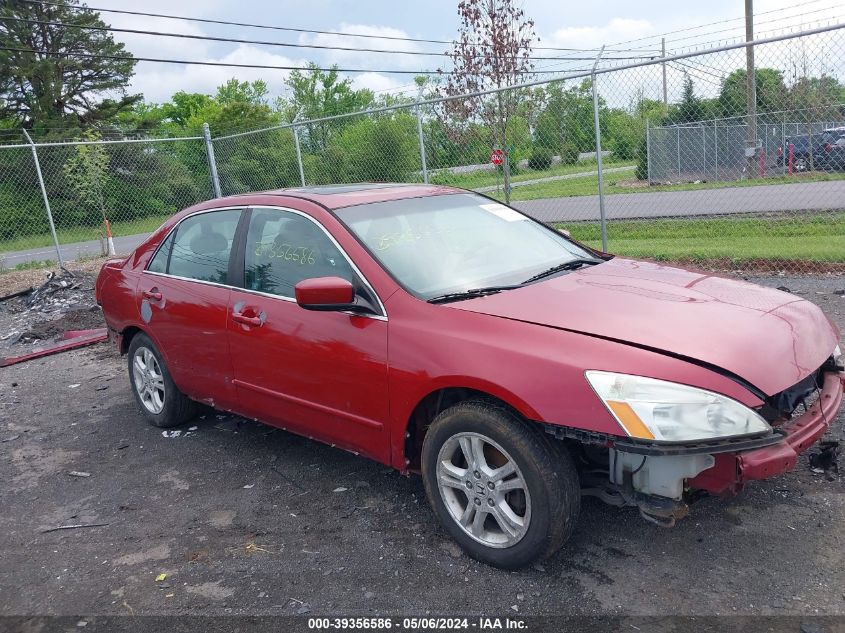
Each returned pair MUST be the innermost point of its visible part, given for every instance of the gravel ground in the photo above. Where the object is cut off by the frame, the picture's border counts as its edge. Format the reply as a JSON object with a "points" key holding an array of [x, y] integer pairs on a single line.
{"points": [[239, 518]]}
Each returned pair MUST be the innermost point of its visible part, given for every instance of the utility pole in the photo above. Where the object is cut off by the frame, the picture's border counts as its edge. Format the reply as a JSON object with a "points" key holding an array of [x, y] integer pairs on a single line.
{"points": [[663, 64], [750, 88]]}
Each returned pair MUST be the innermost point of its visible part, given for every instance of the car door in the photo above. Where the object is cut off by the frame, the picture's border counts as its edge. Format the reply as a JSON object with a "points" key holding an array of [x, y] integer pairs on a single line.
{"points": [[320, 374], [183, 299]]}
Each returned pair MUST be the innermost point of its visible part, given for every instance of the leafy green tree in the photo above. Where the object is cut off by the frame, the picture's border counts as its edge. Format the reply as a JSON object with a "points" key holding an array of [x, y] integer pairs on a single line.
{"points": [[252, 92], [567, 117], [315, 94], [43, 83], [688, 109], [373, 149], [85, 172], [771, 93]]}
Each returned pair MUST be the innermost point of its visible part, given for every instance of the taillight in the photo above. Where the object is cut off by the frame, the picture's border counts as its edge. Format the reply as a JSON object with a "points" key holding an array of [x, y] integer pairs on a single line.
{"points": [[828, 147]]}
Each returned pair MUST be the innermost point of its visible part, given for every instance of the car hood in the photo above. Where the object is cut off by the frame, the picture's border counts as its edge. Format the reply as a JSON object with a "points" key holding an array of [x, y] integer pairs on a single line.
{"points": [[769, 338]]}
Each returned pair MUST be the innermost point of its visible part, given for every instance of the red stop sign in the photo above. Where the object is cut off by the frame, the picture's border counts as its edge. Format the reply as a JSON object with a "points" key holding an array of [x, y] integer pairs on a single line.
{"points": [[497, 157]]}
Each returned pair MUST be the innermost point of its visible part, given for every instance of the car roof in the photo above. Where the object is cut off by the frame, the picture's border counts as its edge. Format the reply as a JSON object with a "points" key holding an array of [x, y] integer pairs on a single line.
{"points": [[347, 195]]}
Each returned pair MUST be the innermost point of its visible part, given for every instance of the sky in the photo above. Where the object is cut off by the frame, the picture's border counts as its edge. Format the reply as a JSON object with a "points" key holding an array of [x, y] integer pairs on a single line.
{"points": [[619, 24]]}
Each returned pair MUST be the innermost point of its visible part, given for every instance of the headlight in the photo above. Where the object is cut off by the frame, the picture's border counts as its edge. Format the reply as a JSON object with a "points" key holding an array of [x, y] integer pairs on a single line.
{"points": [[653, 409], [837, 356]]}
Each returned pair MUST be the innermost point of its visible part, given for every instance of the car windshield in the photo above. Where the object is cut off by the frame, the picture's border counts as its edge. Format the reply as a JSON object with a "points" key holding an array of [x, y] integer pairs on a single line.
{"points": [[444, 244]]}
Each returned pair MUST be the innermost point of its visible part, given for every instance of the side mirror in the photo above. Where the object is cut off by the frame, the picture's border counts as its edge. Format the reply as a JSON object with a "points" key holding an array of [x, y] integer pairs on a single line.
{"points": [[325, 294]]}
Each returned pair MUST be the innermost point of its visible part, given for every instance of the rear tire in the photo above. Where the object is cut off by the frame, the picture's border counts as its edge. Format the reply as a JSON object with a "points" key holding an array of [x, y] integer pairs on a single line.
{"points": [[160, 401], [515, 505]]}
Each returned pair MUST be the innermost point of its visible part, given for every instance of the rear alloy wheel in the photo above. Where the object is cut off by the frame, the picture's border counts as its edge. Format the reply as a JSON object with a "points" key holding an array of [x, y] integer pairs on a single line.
{"points": [[505, 492], [160, 400], [800, 164]]}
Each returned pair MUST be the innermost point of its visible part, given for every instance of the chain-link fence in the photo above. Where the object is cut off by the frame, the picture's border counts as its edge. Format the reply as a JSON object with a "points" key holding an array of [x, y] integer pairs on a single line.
{"points": [[715, 150], [692, 162]]}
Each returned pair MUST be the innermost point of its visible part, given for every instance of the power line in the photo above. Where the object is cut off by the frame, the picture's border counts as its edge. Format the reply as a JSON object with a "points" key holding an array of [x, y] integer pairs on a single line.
{"points": [[701, 26], [212, 38], [756, 23], [235, 65], [282, 28]]}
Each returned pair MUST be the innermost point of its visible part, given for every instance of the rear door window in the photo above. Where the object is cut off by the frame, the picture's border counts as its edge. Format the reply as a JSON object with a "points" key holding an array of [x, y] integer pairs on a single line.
{"points": [[202, 246]]}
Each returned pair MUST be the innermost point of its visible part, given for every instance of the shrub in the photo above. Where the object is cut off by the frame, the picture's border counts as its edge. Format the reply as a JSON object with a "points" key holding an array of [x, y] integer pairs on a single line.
{"points": [[641, 172], [541, 158], [568, 154]]}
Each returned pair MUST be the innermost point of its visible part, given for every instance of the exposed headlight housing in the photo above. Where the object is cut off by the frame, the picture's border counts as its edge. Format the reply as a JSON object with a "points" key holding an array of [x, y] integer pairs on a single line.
{"points": [[663, 411]]}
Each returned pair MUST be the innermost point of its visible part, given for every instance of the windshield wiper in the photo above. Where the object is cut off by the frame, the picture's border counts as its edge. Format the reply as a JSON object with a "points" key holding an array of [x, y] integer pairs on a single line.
{"points": [[471, 293], [570, 265]]}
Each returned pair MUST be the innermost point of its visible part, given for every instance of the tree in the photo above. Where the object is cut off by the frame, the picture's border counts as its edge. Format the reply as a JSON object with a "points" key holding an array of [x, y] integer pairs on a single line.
{"points": [[815, 100], [85, 173], [771, 94], [252, 92], [567, 118], [492, 51], [45, 81], [689, 107], [316, 94]]}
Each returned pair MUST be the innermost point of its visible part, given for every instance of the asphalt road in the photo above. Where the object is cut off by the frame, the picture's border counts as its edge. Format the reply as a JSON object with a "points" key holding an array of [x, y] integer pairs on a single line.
{"points": [[805, 196], [70, 252], [810, 196], [243, 519]]}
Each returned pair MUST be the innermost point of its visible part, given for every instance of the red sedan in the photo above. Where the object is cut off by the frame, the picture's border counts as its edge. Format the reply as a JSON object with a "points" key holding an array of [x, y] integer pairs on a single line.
{"points": [[438, 331]]}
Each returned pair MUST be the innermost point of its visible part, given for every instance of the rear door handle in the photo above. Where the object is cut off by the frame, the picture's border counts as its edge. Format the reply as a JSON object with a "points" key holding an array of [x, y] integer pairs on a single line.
{"points": [[254, 321], [153, 294]]}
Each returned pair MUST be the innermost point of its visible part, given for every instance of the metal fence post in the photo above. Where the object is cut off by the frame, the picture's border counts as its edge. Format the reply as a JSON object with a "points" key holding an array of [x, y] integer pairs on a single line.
{"points": [[704, 152], [678, 129], [648, 150], [46, 199], [421, 140], [212, 163], [598, 152], [298, 155], [716, 146]]}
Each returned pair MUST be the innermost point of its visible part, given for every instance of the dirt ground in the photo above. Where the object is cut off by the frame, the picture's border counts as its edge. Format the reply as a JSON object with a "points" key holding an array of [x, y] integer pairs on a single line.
{"points": [[232, 517]]}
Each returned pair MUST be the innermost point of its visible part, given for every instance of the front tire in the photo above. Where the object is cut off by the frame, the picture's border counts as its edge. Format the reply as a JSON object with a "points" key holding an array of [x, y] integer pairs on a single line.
{"points": [[499, 487], [161, 402]]}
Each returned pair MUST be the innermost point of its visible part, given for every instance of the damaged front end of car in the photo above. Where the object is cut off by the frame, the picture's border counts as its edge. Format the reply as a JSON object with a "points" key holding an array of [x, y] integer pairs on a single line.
{"points": [[684, 443]]}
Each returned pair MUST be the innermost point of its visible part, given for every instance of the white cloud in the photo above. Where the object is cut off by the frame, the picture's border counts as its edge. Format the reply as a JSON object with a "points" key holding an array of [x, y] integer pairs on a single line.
{"points": [[359, 59], [618, 29], [158, 46], [376, 82], [158, 82]]}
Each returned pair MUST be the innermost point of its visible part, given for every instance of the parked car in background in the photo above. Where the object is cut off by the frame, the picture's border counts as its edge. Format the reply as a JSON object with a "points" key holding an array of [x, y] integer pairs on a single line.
{"points": [[828, 151], [832, 155], [801, 151], [440, 332]]}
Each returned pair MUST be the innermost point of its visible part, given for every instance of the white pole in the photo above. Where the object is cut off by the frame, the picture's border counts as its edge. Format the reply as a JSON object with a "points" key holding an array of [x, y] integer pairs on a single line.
{"points": [[46, 199], [212, 163], [421, 138], [598, 153]]}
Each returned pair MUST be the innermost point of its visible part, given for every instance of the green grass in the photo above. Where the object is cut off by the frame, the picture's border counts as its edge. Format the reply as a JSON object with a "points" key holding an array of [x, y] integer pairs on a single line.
{"points": [[588, 185], [44, 263], [476, 179], [816, 237], [83, 234]]}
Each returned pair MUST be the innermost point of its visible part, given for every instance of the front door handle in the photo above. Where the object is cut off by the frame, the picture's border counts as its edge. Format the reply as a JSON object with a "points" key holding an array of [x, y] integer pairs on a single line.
{"points": [[239, 317], [153, 294]]}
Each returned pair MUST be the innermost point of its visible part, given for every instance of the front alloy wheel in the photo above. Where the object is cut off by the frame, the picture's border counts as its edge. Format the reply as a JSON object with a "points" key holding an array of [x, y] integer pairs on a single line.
{"points": [[506, 492], [484, 490]]}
